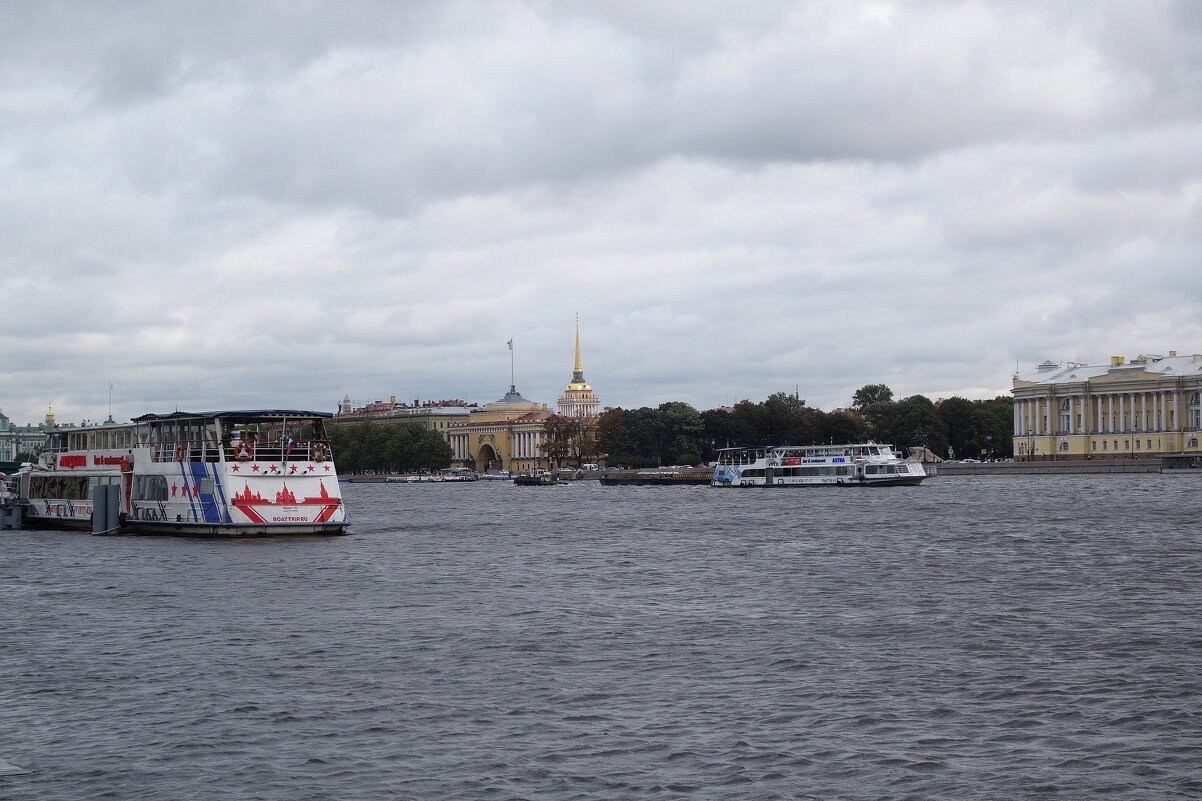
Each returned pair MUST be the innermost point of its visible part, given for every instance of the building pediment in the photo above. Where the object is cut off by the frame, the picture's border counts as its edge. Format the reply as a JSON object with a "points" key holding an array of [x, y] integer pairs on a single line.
{"points": [[1124, 375]]}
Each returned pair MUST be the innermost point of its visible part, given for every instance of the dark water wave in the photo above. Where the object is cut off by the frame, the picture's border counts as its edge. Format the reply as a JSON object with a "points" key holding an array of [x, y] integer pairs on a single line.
{"points": [[974, 638]]}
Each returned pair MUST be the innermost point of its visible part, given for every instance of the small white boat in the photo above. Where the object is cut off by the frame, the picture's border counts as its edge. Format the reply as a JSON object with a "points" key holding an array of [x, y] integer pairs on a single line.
{"points": [[857, 465]]}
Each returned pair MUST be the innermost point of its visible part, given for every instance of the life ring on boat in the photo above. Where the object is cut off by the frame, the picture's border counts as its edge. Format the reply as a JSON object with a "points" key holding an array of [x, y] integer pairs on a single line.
{"points": [[243, 452], [127, 464], [320, 452], [179, 452]]}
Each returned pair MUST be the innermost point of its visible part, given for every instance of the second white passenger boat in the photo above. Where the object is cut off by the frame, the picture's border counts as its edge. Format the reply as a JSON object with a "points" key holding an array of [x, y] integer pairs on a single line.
{"points": [[858, 465]]}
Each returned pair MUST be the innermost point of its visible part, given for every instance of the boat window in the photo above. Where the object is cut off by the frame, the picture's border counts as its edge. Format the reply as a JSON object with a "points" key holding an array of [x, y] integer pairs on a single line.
{"points": [[72, 488], [150, 488], [99, 481]]}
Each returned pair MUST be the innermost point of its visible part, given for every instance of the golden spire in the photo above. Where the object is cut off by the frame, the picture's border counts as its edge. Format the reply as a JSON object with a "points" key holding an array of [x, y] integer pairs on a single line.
{"points": [[578, 369]]}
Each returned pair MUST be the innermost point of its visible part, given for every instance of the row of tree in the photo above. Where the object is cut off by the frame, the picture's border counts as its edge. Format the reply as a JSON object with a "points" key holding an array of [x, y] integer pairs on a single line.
{"points": [[388, 448], [676, 433]]}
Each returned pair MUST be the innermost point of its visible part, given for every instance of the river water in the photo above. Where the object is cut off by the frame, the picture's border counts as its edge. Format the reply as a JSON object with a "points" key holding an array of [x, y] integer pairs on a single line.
{"points": [[973, 638]]}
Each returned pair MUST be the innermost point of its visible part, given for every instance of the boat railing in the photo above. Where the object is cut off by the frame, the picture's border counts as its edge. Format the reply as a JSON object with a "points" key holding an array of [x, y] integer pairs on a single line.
{"points": [[301, 450], [186, 451], [260, 450]]}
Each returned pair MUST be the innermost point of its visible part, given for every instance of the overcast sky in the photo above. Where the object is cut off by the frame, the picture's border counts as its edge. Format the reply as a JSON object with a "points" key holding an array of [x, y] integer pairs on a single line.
{"points": [[275, 204]]}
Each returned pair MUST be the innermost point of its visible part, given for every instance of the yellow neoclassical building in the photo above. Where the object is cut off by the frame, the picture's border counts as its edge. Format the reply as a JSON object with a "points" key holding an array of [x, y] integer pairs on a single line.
{"points": [[506, 434], [509, 434], [1145, 406]]}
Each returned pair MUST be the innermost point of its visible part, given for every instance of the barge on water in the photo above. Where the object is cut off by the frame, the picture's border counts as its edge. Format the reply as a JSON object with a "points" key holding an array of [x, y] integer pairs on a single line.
{"points": [[1181, 463], [221, 474]]}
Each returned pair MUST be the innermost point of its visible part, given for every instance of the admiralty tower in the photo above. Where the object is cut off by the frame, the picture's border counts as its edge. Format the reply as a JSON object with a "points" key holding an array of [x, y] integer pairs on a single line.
{"points": [[578, 398]]}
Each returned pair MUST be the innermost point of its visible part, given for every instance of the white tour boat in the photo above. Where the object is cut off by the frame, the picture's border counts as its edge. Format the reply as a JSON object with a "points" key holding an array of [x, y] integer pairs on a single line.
{"points": [[236, 473], [865, 464]]}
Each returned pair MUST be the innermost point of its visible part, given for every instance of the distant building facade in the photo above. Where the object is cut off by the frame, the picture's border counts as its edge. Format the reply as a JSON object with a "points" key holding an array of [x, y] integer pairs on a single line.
{"points": [[437, 416], [1148, 406], [506, 434], [15, 439]]}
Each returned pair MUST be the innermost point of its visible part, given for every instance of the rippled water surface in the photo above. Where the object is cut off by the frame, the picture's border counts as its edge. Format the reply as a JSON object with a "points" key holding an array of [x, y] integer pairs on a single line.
{"points": [[973, 638]]}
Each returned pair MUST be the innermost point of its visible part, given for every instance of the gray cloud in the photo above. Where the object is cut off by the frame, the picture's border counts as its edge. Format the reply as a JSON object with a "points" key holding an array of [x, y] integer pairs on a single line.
{"points": [[278, 204]]}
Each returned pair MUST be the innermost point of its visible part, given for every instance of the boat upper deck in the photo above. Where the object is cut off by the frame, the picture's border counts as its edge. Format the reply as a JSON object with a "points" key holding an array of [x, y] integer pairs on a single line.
{"points": [[798, 454], [266, 435]]}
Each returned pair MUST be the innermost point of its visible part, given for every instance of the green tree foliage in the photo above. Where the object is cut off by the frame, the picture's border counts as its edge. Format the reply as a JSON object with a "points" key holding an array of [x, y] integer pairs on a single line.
{"points": [[842, 427], [388, 448], [568, 439], [786, 420], [870, 394], [675, 433], [682, 433], [749, 423], [959, 417], [995, 421], [558, 433], [913, 422], [615, 439], [719, 431]]}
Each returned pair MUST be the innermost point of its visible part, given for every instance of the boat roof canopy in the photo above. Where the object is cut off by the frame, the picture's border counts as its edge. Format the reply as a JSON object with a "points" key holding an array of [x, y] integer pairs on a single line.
{"points": [[259, 413]]}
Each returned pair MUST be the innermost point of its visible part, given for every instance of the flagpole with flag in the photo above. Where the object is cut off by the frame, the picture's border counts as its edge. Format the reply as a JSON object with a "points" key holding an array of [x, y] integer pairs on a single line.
{"points": [[509, 344]]}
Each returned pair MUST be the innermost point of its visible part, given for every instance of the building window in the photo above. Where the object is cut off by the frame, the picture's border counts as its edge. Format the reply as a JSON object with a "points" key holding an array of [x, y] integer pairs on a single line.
{"points": [[1137, 444], [1063, 446], [1103, 444], [1193, 442], [1093, 444]]}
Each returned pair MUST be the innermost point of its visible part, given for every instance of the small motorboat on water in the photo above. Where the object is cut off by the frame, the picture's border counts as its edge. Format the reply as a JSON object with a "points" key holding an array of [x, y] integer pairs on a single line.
{"points": [[537, 478]]}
